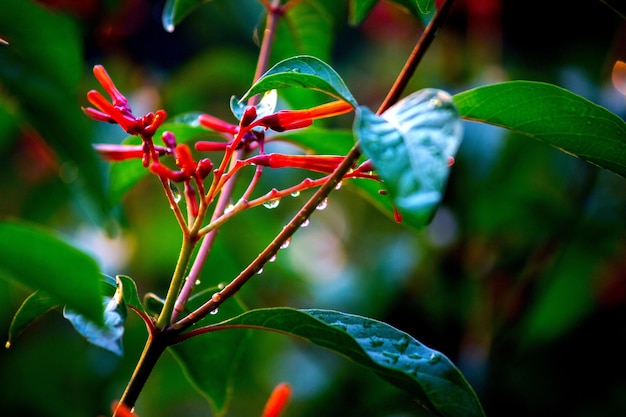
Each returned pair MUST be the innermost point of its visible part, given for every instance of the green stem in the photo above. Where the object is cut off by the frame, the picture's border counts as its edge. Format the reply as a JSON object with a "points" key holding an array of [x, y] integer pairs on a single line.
{"points": [[177, 281]]}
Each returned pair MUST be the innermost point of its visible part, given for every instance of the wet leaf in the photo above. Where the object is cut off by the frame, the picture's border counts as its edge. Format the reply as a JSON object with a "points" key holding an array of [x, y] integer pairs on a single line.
{"points": [[426, 374], [410, 145], [304, 72]]}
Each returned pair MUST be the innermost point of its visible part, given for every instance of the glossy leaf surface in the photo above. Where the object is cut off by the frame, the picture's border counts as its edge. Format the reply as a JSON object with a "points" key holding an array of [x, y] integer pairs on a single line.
{"points": [[41, 261], [410, 146], [553, 115], [426, 374], [304, 72], [109, 335]]}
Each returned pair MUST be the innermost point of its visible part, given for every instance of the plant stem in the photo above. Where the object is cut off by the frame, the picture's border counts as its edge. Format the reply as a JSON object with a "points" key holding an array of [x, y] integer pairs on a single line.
{"points": [[155, 346], [177, 281], [416, 56]]}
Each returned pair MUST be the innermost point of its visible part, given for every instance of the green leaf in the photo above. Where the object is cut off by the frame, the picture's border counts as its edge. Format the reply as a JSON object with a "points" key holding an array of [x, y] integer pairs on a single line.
{"points": [[307, 28], [176, 10], [37, 259], [36, 305], [410, 146], [124, 175], [41, 69], [109, 335], [305, 72], [210, 360], [426, 374], [129, 290], [361, 9], [552, 115]]}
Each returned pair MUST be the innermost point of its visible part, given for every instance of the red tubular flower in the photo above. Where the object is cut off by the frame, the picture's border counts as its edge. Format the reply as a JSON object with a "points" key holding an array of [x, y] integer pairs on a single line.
{"points": [[184, 160], [204, 146], [213, 123], [319, 163], [278, 401], [296, 119], [114, 153]]}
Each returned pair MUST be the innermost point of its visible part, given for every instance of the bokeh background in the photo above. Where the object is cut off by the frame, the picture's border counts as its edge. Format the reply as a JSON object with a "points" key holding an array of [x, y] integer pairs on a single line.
{"points": [[520, 279]]}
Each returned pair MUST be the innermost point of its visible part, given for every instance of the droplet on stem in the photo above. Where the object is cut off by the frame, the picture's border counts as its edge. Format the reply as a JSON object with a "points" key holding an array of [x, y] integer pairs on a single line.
{"points": [[305, 223], [197, 282], [322, 205], [214, 311], [175, 192], [260, 271], [273, 258], [338, 186], [285, 244], [295, 194], [272, 204]]}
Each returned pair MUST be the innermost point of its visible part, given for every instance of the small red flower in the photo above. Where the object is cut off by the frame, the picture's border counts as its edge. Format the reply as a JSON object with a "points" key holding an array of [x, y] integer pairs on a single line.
{"points": [[118, 110], [278, 401]]}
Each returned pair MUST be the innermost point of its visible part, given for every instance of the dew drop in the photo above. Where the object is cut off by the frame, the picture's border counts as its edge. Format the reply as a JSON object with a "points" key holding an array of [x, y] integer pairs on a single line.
{"points": [[229, 208], [338, 186], [260, 271], [305, 223], [295, 194], [273, 258], [322, 205], [295, 70], [436, 102], [175, 192], [272, 204], [214, 311], [285, 244], [216, 298], [434, 358], [221, 285], [197, 282], [7, 345]]}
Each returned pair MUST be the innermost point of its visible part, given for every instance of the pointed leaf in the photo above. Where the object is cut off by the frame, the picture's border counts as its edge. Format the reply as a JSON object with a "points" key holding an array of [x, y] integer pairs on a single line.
{"points": [[552, 115], [36, 305], [109, 335], [209, 360], [37, 259], [426, 374], [129, 290], [410, 146], [176, 10], [305, 72]]}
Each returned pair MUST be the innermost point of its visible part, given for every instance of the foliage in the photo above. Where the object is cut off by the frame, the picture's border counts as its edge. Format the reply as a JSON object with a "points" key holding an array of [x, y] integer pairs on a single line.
{"points": [[513, 249]]}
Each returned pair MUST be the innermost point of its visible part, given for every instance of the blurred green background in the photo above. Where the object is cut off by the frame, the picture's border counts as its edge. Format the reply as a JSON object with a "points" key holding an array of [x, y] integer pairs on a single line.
{"points": [[520, 279]]}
